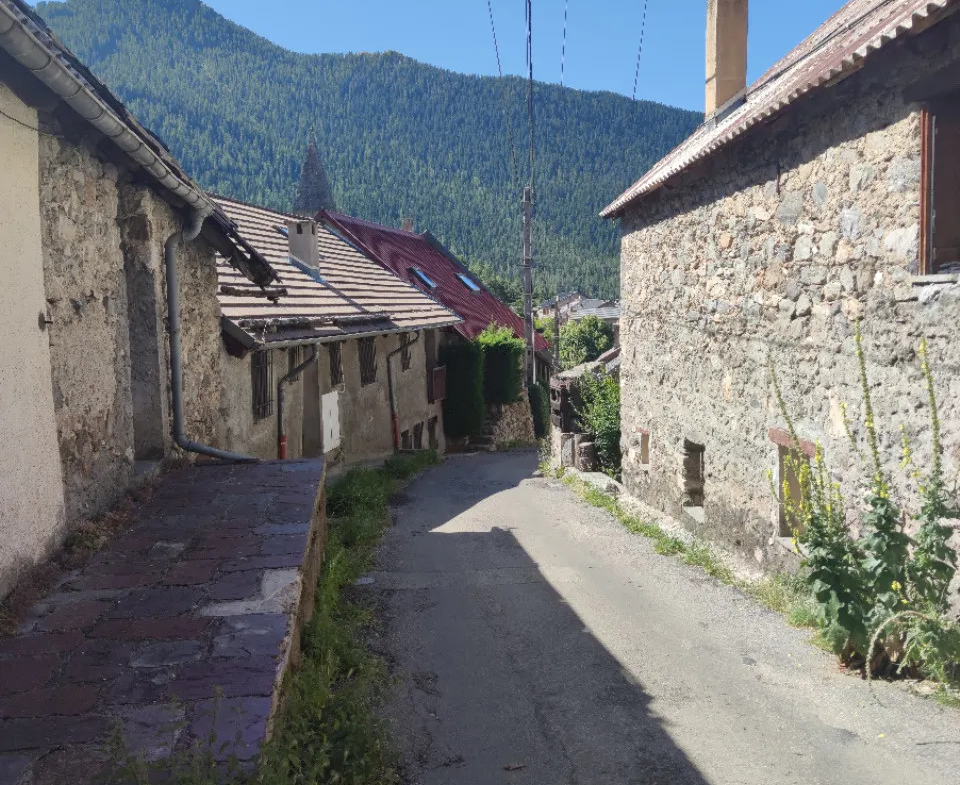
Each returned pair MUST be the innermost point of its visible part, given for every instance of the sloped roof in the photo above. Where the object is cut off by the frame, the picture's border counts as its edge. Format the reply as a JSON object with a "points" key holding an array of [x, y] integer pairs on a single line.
{"points": [[401, 252], [355, 295], [25, 37], [836, 49], [603, 312]]}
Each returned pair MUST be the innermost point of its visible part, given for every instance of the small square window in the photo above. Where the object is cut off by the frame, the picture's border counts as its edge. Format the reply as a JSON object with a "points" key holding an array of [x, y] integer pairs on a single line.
{"points": [[423, 277], [694, 478], [645, 450], [466, 281]]}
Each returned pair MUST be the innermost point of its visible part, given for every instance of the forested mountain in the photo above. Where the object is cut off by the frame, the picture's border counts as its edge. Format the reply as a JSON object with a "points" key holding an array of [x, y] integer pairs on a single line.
{"points": [[395, 136]]}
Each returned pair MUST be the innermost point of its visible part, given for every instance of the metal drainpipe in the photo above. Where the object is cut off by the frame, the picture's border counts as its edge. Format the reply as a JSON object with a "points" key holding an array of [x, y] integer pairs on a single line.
{"points": [[170, 248], [282, 401], [394, 418]]}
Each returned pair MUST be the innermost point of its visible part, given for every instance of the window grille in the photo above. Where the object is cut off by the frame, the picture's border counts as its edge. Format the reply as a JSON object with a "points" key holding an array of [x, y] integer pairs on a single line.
{"points": [[405, 353], [368, 361], [294, 358], [336, 364], [261, 367], [418, 436], [432, 433]]}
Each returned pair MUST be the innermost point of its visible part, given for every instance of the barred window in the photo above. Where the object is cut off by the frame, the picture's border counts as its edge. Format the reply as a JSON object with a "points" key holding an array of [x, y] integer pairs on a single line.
{"points": [[261, 368], [294, 358], [368, 361], [405, 440], [336, 364], [405, 354], [432, 433], [418, 436]]}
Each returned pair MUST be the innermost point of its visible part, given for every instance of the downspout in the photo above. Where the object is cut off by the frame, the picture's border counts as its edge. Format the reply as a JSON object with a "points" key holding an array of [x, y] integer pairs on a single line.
{"points": [[394, 418], [170, 249], [282, 401]]}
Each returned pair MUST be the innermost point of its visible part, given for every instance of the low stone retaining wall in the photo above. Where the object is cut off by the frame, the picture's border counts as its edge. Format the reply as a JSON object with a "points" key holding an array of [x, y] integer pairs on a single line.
{"points": [[511, 423], [186, 623]]}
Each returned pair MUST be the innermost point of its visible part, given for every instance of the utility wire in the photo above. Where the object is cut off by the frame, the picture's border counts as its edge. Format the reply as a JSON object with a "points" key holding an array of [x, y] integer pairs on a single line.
{"points": [[529, 8], [643, 27], [514, 167], [563, 51]]}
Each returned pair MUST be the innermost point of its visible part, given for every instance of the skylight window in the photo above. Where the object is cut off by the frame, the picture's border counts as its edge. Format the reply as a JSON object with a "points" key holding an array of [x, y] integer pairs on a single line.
{"points": [[424, 278], [283, 230], [466, 281]]}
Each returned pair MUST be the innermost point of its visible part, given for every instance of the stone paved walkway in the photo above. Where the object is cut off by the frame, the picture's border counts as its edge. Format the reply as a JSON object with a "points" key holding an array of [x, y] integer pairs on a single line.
{"points": [[203, 596]]}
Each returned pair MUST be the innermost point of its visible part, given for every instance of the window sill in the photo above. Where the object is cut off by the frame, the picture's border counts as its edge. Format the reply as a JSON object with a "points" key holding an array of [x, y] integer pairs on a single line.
{"points": [[937, 278], [644, 467]]}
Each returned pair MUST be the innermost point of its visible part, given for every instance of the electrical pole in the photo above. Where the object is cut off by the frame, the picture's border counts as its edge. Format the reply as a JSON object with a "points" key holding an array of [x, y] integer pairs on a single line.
{"points": [[530, 364], [556, 333]]}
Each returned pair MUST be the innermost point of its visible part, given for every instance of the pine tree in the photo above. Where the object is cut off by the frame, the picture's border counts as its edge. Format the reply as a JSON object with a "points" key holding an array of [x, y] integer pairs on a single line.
{"points": [[314, 193]]}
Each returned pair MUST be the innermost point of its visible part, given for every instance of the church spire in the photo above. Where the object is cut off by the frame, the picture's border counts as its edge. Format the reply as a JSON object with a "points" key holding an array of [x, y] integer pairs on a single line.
{"points": [[314, 193]]}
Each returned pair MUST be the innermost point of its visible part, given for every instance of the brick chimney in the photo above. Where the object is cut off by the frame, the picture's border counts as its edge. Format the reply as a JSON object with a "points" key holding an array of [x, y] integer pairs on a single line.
{"points": [[726, 52], [407, 224], [303, 241]]}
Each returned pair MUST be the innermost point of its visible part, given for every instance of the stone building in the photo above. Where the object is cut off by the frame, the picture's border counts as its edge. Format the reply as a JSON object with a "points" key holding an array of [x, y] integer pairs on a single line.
{"points": [[823, 194], [89, 203], [366, 344]]}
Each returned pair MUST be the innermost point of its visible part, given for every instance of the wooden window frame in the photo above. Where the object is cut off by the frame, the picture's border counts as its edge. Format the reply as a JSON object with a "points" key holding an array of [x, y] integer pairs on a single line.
{"points": [[367, 351], [927, 120], [934, 165], [261, 377], [336, 364]]}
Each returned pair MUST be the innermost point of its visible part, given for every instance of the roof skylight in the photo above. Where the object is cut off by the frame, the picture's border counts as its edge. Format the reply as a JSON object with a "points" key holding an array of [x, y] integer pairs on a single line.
{"points": [[466, 281], [424, 278]]}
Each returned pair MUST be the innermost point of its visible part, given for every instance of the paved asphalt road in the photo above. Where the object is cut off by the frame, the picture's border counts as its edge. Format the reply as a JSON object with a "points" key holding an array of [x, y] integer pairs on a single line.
{"points": [[529, 630]]}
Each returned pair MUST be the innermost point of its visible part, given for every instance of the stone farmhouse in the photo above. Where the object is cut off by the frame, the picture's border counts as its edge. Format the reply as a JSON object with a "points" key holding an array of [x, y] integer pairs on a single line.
{"points": [[103, 238], [823, 194], [353, 348]]}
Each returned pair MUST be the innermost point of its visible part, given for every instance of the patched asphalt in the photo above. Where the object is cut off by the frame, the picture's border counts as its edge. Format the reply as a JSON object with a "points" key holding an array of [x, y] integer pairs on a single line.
{"points": [[535, 640]]}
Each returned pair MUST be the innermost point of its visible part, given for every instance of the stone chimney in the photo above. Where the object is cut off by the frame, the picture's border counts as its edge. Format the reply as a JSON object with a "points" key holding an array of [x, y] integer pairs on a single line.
{"points": [[726, 52], [303, 241], [407, 224]]}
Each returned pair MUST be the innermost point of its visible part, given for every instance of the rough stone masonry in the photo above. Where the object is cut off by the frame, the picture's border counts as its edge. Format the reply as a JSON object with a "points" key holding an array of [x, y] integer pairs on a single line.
{"points": [[771, 253]]}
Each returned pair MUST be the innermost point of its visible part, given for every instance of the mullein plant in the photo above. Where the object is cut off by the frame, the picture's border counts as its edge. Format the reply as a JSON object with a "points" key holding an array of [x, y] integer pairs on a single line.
{"points": [[884, 596]]}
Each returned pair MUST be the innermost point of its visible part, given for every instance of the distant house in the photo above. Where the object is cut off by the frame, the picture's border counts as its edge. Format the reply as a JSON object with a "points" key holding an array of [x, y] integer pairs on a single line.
{"points": [[423, 261], [374, 378], [607, 311], [564, 303], [825, 193], [99, 225]]}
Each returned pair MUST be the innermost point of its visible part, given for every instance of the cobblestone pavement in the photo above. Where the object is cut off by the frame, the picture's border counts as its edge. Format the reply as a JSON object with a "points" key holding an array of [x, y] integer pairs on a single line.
{"points": [[197, 598]]}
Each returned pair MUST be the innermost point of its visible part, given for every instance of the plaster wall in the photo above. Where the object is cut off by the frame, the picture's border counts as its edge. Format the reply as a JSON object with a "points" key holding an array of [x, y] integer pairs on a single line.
{"points": [[771, 253], [31, 484]]}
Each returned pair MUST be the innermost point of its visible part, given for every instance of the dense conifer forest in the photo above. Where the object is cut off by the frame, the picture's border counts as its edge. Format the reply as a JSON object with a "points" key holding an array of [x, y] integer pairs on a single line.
{"points": [[395, 136]]}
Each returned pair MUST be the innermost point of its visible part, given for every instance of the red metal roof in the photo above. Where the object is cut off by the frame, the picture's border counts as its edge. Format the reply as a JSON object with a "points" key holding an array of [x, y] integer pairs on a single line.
{"points": [[836, 49], [401, 252]]}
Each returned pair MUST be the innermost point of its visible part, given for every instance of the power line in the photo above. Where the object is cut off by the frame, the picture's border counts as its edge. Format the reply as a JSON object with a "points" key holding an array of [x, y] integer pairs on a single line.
{"points": [[514, 167], [643, 27], [529, 8], [563, 51]]}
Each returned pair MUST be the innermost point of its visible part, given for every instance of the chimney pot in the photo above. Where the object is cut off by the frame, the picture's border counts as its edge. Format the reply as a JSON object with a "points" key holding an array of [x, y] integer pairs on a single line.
{"points": [[726, 52], [302, 234]]}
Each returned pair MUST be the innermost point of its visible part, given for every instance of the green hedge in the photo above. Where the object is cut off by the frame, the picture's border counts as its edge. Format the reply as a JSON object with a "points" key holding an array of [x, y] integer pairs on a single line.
{"points": [[503, 365], [463, 408], [540, 408]]}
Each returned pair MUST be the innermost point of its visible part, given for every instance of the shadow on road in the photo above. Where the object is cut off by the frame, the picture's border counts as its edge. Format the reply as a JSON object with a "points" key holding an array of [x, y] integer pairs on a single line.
{"points": [[501, 679]]}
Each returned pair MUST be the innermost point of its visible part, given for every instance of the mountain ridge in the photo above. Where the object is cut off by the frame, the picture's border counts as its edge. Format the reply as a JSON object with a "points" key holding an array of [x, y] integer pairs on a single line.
{"points": [[397, 137]]}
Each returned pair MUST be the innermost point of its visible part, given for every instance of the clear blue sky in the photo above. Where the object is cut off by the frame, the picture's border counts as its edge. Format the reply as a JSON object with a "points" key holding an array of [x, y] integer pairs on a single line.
{"points": [[602, 36]]}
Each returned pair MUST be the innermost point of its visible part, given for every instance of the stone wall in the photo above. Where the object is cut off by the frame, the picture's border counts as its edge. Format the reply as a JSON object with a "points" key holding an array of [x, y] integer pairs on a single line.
{"points": [[511, 423], [103, 268], [771, 252]]}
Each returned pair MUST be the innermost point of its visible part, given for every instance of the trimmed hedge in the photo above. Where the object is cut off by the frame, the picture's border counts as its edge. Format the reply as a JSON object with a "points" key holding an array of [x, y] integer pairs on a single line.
{"points": [[503, 365], [463, 409], [540, 409]]}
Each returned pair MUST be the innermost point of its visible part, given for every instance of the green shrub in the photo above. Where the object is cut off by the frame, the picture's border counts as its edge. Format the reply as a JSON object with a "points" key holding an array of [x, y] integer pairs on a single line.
{"points": [[540, 409], [883, 597], [584, 341], [463, 408], [502, 365], [600, 417]]}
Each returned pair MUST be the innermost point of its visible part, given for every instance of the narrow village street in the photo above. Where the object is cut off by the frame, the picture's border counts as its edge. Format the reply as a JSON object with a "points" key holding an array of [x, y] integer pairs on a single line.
{"points": [[537, 641]]}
